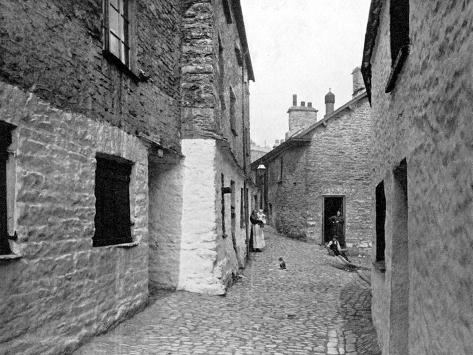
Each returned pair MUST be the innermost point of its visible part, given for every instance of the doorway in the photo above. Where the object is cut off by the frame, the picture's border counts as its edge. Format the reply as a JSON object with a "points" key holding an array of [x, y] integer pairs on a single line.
{"points": [[332, 204]]}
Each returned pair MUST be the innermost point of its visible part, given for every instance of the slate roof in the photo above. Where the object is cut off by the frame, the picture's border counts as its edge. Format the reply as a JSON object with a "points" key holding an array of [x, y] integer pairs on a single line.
{"points": [[301, 138]]}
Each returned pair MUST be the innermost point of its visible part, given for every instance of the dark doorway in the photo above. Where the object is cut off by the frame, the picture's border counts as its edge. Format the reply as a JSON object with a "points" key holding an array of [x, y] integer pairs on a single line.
{"points": [[399, 308], [332, 204]]}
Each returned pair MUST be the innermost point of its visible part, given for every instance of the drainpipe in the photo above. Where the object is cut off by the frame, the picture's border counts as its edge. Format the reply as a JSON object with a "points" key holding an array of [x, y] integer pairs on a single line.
{"points": [[245, 167]]}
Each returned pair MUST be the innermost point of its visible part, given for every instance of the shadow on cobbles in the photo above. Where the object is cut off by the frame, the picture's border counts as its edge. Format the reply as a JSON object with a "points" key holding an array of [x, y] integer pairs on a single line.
{"points": [[355, 310]]}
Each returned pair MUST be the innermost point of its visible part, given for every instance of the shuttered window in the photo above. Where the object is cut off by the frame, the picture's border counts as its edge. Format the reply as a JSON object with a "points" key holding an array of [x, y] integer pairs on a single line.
{"points": [[112, 216], [5, 141]]}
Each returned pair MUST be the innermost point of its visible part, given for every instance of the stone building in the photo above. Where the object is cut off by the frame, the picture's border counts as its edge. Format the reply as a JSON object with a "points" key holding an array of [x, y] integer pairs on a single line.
{"points": [[417, 66], [321, 168], [257, 151], [112, 144], [212, 179]]}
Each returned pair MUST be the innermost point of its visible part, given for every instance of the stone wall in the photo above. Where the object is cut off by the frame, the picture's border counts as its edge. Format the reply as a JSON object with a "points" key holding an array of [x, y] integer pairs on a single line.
{"points": [[62, 289], [211, 74], [198, 257], [336, 161], [165, 216], [231, 248], [53, 48], [426, 119], [203, 114], [208, 256]]}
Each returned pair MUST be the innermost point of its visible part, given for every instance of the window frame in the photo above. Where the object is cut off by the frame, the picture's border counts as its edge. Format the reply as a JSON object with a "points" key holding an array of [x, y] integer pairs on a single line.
{"points": [[129, 66], [108, 170]]}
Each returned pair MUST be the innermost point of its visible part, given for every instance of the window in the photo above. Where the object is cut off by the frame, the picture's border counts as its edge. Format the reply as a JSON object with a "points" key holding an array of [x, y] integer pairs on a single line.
{"points": [[380, 222], [112, 205], [399, 36], [5, 141], [117, 29], [232, 112], [227, 11], [399, 26]]}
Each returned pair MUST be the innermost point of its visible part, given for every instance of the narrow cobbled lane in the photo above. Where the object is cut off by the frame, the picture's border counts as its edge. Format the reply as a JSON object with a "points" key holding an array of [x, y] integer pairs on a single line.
{"points": [[311, 308]]}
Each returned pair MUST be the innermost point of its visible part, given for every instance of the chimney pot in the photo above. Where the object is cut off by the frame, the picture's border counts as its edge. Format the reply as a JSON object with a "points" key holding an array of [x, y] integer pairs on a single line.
{"points": [[329, 102], [309, 104], [303, 103], [294, 100]]}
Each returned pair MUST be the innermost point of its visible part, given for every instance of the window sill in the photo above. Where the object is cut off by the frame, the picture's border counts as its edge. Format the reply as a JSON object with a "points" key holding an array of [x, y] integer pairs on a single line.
{"points": [[123, 68], [126, 245], [380, 266], [7, 257], [397, 67], [120, 245]]}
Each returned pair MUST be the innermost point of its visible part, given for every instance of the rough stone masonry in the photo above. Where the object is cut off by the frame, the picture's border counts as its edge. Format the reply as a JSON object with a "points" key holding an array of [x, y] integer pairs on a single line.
{"points": [[325, 158], [66, 103], [176, 110]]}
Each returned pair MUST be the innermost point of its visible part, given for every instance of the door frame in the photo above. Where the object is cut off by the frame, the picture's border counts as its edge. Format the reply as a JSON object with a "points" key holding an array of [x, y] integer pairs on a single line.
{"points": [[324, 196]]}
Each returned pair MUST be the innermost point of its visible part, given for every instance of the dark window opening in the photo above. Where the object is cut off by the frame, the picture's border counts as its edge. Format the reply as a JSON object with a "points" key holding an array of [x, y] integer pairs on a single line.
{"points": [[233, 113], [227, 11], [5, 141], [399, 26], [112, 205], [399, 37], [380, 222]]}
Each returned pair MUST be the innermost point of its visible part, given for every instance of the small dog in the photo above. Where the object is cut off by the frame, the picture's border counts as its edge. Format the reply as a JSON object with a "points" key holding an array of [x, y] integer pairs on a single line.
{"points": [[282, 264]]}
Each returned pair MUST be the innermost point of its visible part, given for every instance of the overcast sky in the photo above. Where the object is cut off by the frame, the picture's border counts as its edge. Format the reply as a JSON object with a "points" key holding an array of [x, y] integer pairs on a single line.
{"points": [[301, 47]]}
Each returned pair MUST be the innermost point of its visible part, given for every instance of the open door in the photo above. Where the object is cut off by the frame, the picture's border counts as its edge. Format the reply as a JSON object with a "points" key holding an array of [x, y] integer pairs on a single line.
{"points": [[332, 204]]}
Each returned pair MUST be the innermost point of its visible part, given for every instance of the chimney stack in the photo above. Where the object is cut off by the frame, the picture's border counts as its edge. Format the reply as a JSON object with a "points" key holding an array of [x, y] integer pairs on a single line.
{"points": [[329, 102], [358, 84], [300, 117]]}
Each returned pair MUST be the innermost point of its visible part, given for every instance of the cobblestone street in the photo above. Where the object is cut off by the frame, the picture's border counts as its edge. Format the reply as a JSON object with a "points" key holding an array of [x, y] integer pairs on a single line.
{"points": [[311, 308]]}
